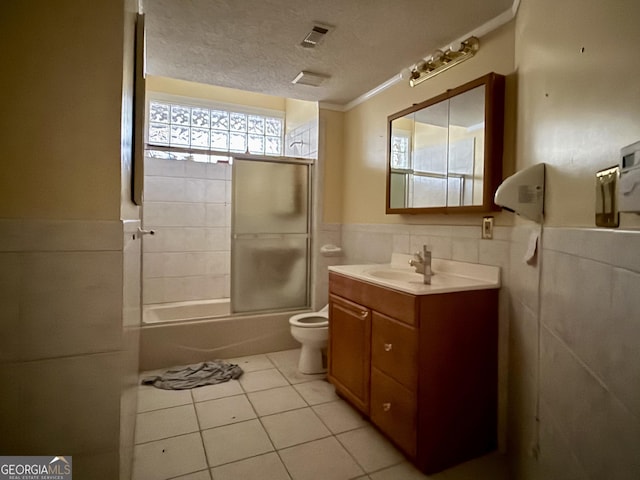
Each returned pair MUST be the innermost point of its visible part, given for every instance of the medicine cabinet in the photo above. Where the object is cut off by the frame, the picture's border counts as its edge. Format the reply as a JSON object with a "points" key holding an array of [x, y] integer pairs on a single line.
{"points": [[445, 154]]}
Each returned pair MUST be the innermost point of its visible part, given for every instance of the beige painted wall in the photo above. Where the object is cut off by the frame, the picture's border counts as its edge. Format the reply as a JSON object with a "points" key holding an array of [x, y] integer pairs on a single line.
{"points": [[61, 137], [577, 108], [210, 92], [331, 151], [366, 133]]}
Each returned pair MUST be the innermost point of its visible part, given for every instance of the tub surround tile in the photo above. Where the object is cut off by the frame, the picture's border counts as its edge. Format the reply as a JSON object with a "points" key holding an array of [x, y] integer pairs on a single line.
{"points": [[164, 168], [167, 189], [168, 214]]}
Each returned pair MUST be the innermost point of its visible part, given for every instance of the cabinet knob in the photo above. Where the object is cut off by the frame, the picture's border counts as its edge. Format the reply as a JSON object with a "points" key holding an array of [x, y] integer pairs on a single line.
{"points": [[388, 347], [364, 314], [386, 406]]}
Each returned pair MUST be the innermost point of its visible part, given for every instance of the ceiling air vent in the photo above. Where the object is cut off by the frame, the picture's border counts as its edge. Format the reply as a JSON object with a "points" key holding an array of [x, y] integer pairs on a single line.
{"points": [[309, 78], [315, 36]]}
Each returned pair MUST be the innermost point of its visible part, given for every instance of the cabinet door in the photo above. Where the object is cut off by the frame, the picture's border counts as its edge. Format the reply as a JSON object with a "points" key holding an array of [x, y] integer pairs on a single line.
{"points": [[350, 350]]}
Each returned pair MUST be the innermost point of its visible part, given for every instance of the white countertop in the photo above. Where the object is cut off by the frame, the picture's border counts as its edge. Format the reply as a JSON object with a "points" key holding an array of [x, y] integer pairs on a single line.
{"points": [[449, 275]]}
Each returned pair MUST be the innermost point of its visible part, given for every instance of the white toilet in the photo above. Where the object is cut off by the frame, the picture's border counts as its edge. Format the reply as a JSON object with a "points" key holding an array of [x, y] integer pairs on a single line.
{"points": [[312, 331]]}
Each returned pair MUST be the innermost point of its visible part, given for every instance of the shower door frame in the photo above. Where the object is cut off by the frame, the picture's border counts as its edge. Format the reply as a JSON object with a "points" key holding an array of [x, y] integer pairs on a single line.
{"points": [[310, 163]]}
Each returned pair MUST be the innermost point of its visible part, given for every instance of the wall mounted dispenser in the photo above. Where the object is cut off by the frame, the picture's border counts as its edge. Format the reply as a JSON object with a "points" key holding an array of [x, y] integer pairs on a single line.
{"points": [[606, 200], [629, 182], [523, 193]]}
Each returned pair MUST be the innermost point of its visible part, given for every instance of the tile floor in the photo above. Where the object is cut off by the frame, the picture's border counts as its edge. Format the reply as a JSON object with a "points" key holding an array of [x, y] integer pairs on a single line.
{"points": [[272, 424]]}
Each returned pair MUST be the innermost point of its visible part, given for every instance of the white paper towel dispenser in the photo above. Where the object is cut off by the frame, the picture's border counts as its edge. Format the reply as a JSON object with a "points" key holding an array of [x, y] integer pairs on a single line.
{"points": [[523, 193]]}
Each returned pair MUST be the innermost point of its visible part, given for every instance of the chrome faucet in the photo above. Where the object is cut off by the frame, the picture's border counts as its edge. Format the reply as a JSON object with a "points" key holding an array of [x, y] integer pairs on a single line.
{"points": [[422, 263]]}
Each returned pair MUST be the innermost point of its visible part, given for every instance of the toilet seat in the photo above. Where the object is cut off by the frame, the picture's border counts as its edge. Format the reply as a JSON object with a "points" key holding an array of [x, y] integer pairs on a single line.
{"points": [[310, 320]]}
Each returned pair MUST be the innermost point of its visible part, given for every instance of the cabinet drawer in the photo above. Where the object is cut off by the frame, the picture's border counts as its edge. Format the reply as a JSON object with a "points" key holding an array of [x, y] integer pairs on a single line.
{"points": [[401, 306], [393, 410], [394, 350]]}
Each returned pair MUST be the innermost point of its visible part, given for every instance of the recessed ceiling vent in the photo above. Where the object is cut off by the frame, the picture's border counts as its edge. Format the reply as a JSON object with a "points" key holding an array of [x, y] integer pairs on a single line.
{"points": [[315, 36], [310, 78]]}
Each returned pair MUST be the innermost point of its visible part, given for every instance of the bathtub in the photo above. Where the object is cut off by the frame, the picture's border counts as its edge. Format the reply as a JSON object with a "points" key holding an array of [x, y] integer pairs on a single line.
{"points": [[181, 311], [189, 332]]}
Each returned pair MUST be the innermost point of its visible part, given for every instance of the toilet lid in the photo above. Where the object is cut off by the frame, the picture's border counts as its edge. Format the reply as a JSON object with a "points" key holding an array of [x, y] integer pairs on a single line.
{"points": [[310, 320]]}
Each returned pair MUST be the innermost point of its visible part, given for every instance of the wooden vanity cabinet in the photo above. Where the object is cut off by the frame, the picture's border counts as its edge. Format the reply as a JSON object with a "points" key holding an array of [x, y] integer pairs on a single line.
{"points": [[422, 368]]}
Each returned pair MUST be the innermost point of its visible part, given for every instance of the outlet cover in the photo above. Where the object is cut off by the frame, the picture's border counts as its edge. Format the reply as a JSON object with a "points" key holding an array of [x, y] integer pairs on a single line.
{"points": [[487, 227]]}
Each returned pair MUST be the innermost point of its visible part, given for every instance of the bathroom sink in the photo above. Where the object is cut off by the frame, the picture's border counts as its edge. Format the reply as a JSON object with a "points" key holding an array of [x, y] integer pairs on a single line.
{"points": [[448, 276], [396, 274]]}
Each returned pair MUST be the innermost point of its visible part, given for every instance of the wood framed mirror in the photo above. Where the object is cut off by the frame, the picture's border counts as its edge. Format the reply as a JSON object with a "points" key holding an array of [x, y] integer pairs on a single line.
{"points": [[445, 154]]}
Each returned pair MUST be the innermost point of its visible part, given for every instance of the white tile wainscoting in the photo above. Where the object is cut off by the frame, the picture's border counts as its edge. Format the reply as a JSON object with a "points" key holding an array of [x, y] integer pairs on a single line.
{"points": [[69, 327]]}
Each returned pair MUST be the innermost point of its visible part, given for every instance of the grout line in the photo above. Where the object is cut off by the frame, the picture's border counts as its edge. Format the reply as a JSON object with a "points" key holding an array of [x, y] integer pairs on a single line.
{"points": [[190, 473], [166, 438]]}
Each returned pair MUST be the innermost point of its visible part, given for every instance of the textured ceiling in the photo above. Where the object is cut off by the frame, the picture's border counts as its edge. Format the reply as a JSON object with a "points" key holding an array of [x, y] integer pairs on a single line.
{"points": [[255, 44]]}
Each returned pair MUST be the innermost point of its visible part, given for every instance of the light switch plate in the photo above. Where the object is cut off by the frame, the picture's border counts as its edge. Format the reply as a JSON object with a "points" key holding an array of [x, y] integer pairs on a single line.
{"points": [[487, 227]]}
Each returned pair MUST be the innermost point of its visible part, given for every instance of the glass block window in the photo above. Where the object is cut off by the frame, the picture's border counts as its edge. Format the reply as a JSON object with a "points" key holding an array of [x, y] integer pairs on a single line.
{"points": [[202, 128], [400, 151]]}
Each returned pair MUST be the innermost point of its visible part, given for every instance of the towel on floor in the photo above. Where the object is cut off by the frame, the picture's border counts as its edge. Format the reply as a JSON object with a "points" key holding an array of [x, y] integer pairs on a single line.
{"points": [[197, 375]]}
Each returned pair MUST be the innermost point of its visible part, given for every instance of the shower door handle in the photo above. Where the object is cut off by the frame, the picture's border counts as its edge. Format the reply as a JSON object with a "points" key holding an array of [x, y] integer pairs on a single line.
{"points": [[142, 232]]}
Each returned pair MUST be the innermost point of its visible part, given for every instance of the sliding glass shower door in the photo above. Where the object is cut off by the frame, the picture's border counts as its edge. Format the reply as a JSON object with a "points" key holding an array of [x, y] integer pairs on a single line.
{"points": [[270, 234]]}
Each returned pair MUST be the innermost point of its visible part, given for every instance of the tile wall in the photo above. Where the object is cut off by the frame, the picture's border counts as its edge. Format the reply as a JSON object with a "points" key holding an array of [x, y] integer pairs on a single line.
{"points": [[302, 141], [68, 346], [188, 205], [589, 394]]}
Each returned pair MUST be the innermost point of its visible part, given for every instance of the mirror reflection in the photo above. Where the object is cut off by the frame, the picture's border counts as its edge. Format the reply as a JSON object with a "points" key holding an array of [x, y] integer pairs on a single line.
{"points": [[437, 152]]}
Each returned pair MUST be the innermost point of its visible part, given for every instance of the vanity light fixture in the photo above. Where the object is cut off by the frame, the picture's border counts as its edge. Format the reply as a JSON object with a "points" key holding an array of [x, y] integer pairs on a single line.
{"points": [[440, 61]]}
